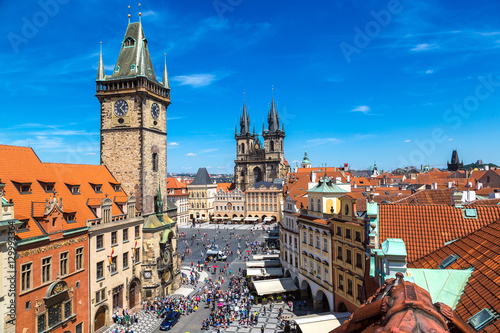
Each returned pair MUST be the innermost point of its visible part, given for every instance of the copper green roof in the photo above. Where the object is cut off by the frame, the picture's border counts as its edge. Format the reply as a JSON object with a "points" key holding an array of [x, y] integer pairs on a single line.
{"points": [[134, 60], [444, 285], [305, 160], [164, 236], [325, 185], [394, 247]]}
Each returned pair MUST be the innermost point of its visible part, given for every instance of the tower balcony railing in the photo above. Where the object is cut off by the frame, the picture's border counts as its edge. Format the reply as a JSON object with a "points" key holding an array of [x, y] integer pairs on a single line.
{"points": [[135, 83]]}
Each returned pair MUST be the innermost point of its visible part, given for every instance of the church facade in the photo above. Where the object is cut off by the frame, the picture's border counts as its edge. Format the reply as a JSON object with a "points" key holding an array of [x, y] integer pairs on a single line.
{"points": [[256, 161]]}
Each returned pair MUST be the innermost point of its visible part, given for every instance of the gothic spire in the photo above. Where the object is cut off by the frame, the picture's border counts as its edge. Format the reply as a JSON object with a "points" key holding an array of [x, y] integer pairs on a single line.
{"points": [[165, 74], [244, 121], [100, 67], [272, 119]]}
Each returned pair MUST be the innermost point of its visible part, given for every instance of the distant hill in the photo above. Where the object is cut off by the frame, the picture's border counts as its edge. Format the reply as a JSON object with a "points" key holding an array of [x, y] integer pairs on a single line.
{"points": [[479, 166]]}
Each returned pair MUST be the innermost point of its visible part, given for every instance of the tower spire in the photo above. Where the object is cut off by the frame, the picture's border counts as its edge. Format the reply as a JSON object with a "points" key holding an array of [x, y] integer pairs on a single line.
{"points": [[272, 117], [100, 67], [128, 14], [140, 12], [165, 74]]}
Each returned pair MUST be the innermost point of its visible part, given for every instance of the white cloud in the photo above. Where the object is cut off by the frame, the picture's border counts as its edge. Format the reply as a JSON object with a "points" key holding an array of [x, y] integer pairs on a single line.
{"points": [[195, 80], [191, 154], [209, 150], [362, 108], [322, 141], [407, 141], [173, 144], [90, 153], [429, 71], [450, 139], [174, 118], [424, 47]]}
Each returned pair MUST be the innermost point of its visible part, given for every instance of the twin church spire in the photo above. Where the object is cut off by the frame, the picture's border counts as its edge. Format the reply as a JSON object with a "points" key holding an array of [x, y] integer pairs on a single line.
{"points": [[273, 121], [134, 58]]}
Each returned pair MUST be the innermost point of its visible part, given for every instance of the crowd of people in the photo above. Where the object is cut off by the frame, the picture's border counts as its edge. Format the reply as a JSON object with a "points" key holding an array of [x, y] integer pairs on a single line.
{"points": [[185, 305]]}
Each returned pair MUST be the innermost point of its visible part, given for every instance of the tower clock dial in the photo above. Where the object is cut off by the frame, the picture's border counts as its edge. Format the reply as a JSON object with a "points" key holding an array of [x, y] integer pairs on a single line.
{"points": [[121, 108], [155, 111]]}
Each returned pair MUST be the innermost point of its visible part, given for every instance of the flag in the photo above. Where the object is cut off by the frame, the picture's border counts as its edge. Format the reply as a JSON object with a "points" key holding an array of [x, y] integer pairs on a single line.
{"points": [[111, 256], [135, 246]]}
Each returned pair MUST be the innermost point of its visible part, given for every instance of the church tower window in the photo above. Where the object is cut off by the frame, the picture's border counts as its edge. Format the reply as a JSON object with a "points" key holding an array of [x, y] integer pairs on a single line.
{"points": [[271, 146], [132, 67], [129, 42], [155, 162]]}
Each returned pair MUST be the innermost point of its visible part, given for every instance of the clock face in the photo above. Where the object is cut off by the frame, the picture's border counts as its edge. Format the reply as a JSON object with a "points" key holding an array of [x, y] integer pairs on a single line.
{"points": [[155, 111], [166, 257], [121, 108], [147, 274]]}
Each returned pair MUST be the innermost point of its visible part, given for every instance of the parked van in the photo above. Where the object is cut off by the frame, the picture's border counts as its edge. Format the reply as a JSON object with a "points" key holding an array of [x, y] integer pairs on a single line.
{"points": [[216, 255]]}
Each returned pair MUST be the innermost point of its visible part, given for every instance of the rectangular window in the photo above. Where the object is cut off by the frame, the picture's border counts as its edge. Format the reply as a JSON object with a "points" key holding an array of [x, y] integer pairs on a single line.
{"points": [[125, 235], [358, 236], [325, 244], [339, 252], [125, 260], [304, 238], [136, 255], [79, 258], [359, 296], [348, 258], [325, 277], [40, 322], [358, 260], [311, 239], [99, 242], [79, 328], [67, 309], [100, 270], [317, 242], [63, 263], [46, 269], [113, 265], [26, 276], [137, 235], [348, 233], [114, 238], [339, 231], [341, 282], [349, 287]]}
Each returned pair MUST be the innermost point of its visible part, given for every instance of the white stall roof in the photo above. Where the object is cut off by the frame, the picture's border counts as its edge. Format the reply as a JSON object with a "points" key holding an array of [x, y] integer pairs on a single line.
{"points": [[321, 323], [273, 271], [266, 257], [263, 263], [274, 286]]}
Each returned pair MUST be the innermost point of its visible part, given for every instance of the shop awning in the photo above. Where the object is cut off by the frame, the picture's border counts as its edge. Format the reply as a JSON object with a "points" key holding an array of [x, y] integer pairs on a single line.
{"points": [[263, 263], [237, 219], [321, 323], [268, 219], [252, 219], [266, 257], [274, 286], [263, 272]]}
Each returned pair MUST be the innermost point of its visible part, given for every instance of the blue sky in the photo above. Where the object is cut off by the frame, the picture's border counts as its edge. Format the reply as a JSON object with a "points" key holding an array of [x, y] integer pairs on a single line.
{"points": [[356, 81]]}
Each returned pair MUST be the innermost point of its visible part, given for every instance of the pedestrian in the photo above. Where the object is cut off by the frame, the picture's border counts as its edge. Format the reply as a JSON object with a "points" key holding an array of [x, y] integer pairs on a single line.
{"points": [[262, 329]]}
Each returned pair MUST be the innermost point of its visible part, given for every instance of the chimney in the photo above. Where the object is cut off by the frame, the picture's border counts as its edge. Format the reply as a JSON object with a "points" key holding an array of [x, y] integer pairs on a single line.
{"points": [[313, 177], [456, 198], [479, 185], [348, 178], [450, 184], [434, 186], [486, 167], [338, 180]]}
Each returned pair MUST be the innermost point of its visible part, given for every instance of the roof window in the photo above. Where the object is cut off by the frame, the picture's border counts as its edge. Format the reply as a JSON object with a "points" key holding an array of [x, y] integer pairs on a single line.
{"points": [[129, 42], [448, 261], [482, 319], [23, 188], [470, 213]]}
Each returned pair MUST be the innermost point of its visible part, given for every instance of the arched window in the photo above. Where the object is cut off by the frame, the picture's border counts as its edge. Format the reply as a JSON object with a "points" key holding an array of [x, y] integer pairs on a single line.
{"points": [[242, 148], [197, 194], [271, 146], [202, 194], [197, 205], [312, 204], [346, 208], [202, 205], [155, 162], [129, 41]]}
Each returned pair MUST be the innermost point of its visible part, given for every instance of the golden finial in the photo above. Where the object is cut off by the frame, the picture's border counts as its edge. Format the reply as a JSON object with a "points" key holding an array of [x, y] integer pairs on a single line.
{"points": [[128, 14], [140, 11]]}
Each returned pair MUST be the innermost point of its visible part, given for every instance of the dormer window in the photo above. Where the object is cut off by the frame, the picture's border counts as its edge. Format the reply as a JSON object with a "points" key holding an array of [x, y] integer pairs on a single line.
{"points": [[117, 69], [146, 43], [75, 189], [23, 188], [116, 186], [132, 67], [129, 42], [96, 187], [149, 71]]}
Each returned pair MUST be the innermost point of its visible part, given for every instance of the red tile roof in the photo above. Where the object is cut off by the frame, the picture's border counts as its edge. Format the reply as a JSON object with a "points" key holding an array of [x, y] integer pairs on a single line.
{"points": [[487, 202], [481, 251], [22, 163], [426, 228], [428, 197], [226, 187]]}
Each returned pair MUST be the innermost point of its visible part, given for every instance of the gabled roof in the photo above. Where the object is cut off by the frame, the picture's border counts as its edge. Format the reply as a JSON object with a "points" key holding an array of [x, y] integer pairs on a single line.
{"points": [[426, 228], [202, 178], [22, 162], [267, 185], [325, 185], [479, 250]]}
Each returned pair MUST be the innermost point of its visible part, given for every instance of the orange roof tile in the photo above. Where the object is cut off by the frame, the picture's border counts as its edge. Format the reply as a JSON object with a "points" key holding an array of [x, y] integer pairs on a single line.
{"points": [[22, 163], [225, 186], [425, 228], [429, 197], [480, 250], [173, 183]]}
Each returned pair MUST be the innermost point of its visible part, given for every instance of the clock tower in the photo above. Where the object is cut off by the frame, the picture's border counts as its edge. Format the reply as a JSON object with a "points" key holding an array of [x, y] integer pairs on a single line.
{"points": [[134, 120]]}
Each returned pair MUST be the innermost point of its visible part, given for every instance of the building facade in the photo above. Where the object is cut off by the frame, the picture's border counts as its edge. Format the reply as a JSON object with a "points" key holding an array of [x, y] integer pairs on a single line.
{"points": [[114, 272], [229, 205], [350, 247], [178, 194], [8, 228], [134, 119], [256, 162], [289, 239], [264, 200], [201, 196]]}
